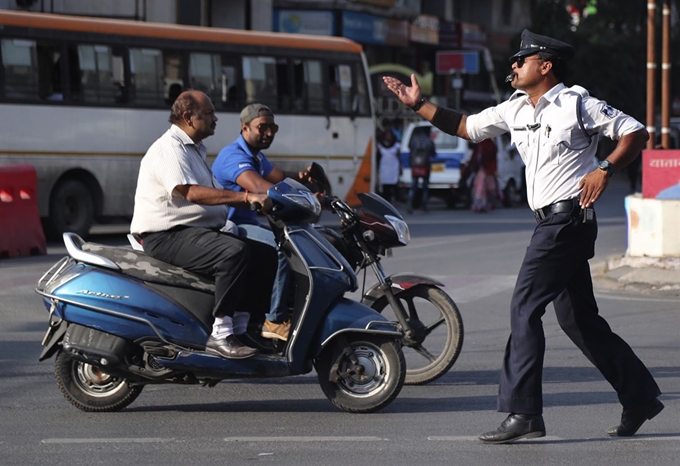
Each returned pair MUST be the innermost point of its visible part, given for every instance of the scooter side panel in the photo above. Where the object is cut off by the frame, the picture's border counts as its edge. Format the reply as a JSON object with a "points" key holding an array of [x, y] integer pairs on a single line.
{"points": [[350, 316], [125, 307]]}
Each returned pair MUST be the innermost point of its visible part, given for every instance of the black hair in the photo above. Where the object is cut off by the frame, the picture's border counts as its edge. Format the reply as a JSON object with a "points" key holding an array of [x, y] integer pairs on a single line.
{"points": [[559, 66], [185, 102]]}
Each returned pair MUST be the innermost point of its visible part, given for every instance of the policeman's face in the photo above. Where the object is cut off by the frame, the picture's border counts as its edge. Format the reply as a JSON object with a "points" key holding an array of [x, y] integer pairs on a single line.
{"points": [[526, 71], [259, 133]]}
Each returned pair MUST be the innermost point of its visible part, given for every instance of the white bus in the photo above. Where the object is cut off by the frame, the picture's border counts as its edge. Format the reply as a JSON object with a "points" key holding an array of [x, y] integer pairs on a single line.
{"points": [[82, 99]]}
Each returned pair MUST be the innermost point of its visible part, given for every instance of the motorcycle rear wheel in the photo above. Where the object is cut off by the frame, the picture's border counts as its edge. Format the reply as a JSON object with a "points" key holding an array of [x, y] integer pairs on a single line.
{"points": [[90, 389], [440, 348], [380, 383]]}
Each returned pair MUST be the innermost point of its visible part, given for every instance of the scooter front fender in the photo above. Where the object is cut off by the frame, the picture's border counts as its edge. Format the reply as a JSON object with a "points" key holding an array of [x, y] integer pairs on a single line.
{"points": [[350, 316], [400, 282]]}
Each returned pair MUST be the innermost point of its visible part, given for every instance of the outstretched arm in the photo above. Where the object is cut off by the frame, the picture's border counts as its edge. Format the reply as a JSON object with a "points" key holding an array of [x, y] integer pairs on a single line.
{"points": [[447, 120]]}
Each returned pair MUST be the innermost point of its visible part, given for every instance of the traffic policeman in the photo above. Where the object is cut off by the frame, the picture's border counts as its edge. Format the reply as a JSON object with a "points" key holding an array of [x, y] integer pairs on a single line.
{"points": [[555, 129]]}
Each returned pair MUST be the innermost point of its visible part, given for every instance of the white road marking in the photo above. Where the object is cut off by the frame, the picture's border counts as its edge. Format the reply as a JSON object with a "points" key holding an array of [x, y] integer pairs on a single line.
{"points": [[467, 438], [107, 440], [645, 299], [304, 439]]}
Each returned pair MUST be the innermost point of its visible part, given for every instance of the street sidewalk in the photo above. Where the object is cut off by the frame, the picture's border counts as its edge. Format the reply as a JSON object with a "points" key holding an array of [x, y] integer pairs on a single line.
{"points": [[651, 275]]}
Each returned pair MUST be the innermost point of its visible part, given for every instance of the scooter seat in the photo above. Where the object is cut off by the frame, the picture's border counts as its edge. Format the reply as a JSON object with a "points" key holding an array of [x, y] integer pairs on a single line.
{"points": [[137, 264]]}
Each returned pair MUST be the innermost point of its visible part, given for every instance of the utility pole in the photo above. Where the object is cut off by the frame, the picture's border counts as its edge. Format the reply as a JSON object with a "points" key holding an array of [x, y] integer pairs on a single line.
{"points": [[651, 72], [666, 77]]}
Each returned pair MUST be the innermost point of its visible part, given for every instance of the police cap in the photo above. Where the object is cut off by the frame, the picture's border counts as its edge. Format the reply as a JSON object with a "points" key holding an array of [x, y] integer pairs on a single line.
{"points": [[533, 43]]}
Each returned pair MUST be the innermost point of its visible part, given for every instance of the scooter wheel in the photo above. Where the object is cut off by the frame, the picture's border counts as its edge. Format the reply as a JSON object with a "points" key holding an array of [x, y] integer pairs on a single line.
{"points": [[90, 389], [378, 382]]}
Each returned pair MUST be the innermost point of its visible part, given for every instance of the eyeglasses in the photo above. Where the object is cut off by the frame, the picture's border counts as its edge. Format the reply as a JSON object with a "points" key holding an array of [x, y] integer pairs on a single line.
{"points": [[520, 60], [267, 127]]}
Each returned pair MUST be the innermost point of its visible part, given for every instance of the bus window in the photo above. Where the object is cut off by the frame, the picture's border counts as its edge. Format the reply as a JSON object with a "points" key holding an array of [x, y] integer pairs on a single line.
{"points": [[156, 76], [20, 63], [308, 86], [32, 70], [261, 84], [208, 73], [340, 88], [95, 68], [173, 84], [361, 105], [229, 86], [204, 74]]}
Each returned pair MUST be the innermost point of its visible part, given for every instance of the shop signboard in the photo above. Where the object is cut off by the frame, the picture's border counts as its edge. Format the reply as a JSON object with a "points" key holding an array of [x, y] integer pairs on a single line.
{"points": [[425, 30], [315, 22], [456, 61], [363, 27], [661, 174]]}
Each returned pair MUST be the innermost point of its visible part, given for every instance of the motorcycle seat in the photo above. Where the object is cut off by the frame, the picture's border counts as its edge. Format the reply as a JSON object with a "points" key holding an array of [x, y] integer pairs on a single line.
{"points": [[138, 265]]}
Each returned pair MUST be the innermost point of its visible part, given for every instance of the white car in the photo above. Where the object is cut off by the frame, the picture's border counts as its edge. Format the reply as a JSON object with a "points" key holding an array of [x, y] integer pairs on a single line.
{"points": [[445, 174]]}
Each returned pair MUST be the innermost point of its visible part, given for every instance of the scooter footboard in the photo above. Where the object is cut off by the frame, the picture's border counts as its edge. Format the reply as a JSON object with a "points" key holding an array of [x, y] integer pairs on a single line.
{"points": [[350, 316]]}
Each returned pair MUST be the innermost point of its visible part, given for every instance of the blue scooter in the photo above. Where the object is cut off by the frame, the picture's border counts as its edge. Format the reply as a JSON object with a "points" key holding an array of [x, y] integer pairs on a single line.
{"points": [[120, 320]]}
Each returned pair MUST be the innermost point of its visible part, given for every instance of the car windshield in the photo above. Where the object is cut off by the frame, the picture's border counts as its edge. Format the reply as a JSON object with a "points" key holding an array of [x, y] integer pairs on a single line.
{"points": [[444, 141]]}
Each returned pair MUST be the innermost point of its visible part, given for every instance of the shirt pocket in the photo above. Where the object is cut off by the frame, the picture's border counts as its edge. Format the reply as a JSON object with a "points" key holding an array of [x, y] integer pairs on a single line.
{"points": [[521, 141], [564, 143]]}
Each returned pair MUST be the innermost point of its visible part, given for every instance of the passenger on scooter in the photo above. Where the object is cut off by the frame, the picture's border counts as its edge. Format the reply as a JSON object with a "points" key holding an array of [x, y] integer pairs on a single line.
{"points": [[180, 211], [242, 167]]}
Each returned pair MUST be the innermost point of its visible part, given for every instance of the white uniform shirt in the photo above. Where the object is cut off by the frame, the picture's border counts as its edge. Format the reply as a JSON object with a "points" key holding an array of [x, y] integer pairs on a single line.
{"points": [[555, 151], [173, 160]]}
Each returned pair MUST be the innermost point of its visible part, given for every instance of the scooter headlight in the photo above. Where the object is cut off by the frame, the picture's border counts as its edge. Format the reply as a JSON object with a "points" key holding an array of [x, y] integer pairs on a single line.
{"points": [[401, 228], [306, 200]]}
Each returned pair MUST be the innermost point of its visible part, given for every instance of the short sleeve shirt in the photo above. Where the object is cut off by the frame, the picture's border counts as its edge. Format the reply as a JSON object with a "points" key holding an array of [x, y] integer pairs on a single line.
{"points": [[556, 151], [230, 163], [173, 160]]}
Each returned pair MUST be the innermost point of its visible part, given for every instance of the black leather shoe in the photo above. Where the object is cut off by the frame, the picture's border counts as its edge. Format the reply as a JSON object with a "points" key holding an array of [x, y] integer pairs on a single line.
{"points": [[264, 345], [229, 348], [515, 427], [632, 419]]}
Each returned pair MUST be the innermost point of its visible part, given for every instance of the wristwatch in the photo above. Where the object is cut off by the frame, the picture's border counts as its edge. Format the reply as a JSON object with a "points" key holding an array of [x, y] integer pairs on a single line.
{"points": [[606, 166]]}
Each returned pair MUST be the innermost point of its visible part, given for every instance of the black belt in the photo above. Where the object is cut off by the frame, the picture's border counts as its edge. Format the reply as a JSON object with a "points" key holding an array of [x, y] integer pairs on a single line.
{"points": [[571, 206]]}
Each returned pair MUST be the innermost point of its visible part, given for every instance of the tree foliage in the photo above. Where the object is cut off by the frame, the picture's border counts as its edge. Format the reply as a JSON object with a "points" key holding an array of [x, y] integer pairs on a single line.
{"points": [[611, 47]]}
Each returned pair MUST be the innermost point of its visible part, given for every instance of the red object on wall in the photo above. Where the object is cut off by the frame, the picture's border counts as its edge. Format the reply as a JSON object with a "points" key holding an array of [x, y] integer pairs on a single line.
{"points": [[661, 174], [21, 232]]}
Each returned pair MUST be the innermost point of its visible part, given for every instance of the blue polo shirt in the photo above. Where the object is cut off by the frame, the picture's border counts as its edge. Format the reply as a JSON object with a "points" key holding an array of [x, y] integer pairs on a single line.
{"points": [[233, 160]]}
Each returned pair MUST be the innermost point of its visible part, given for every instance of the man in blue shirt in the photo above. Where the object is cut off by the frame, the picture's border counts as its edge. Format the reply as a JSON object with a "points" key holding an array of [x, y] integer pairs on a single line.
{"points": [[241, 166]]}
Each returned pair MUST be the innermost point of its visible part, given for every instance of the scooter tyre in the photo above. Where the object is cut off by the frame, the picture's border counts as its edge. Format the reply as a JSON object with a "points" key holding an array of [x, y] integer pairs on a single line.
{"points": [[90, 389], [453, 322], [381, 357]]}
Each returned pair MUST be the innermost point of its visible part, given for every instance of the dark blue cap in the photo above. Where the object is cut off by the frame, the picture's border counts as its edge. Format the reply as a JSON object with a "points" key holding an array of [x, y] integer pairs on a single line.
{"points": [[533, 43]]}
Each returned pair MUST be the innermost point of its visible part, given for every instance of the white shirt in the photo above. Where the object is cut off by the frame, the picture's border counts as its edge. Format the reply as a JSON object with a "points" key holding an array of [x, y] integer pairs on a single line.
{"points": [[389, 163], [543, 135], [173, 160]]}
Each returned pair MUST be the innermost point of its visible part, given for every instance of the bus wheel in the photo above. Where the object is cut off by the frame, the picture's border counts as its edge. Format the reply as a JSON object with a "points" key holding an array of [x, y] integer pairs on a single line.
{"points": [[71, 208]]}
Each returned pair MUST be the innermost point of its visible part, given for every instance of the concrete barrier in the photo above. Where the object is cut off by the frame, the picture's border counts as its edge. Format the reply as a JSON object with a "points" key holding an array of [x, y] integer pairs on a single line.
{"points": [[653, 227], [21, 232]]}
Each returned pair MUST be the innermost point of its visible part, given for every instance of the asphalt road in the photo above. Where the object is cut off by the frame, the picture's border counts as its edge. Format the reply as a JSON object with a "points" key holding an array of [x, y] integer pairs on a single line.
{"points": [[289, 421]]}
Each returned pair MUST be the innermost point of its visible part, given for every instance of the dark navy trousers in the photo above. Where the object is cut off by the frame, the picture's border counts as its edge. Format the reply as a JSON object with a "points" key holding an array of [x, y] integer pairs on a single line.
{"points": [[555, 269]]}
